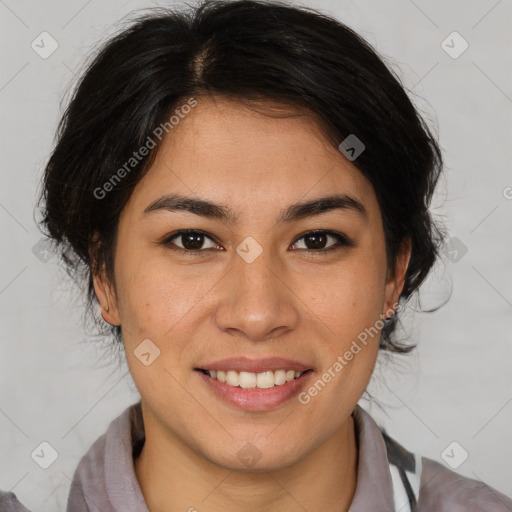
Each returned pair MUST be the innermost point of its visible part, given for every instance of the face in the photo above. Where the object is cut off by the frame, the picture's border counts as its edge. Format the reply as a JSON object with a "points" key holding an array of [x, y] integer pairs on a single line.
{"points": [[269, 286]]}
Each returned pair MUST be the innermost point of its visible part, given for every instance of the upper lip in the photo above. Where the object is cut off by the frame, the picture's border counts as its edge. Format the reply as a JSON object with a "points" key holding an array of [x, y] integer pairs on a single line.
{"points": [[245, 364]]}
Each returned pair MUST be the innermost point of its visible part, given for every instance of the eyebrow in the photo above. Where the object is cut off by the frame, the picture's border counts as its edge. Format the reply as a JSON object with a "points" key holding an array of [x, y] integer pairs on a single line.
{"points": [[176, 202]]}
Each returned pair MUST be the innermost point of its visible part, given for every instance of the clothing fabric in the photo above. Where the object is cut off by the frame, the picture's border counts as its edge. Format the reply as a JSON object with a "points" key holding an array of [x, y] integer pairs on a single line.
{"points": [[389, 477]]}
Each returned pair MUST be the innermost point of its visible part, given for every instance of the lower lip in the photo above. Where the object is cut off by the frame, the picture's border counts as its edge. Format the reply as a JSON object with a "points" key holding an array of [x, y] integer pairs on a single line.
{"points": [[256, 399]]}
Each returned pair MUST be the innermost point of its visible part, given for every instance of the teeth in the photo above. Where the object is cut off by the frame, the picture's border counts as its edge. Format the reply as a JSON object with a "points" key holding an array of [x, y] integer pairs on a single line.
{"points": [[249, 380], [280, 377], [232, 378], [265, 380]]}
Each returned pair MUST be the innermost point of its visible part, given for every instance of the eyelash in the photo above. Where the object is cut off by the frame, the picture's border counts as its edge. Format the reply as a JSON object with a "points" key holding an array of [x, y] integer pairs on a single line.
{"points": [[343, 241]]}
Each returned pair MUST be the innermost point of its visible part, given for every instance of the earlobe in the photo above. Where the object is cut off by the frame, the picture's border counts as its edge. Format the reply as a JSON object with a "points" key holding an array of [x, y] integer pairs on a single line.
{"points": [[106, 298]]}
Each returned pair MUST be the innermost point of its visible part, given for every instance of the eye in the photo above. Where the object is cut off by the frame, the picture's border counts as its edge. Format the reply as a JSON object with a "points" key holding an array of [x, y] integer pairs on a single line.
{"points": [[192, 240], [316, 241]]}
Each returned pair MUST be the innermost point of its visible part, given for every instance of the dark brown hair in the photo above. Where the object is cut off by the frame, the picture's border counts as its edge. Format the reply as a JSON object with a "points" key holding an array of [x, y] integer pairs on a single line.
{"points": [[243, 50]]}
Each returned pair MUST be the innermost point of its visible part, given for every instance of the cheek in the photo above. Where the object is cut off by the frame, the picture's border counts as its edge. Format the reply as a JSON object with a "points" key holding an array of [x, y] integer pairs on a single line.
{"points": [[347, 315], [158, 302], [349, 309], [351, 296], [161, 306]]}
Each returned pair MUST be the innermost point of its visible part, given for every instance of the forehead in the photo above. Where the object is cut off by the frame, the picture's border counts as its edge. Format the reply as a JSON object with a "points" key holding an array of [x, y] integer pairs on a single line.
{"points": [[225, 150]]}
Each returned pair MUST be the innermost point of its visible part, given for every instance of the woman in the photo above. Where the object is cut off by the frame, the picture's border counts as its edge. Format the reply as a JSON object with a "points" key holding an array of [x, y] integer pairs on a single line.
{"points": [[245, 189]]}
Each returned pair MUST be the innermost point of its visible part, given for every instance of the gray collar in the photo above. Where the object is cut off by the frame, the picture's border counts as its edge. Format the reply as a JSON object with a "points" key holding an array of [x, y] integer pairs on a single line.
{"points": [[105, 477]]}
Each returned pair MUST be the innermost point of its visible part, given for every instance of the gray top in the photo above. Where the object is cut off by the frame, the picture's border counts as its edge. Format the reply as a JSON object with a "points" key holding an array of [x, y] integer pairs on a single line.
{"points": [[389, 477]]}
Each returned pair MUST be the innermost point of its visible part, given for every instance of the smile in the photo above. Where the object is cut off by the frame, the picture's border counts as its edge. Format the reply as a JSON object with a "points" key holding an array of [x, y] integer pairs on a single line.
{"points": [[262, 391], [250, 380]]}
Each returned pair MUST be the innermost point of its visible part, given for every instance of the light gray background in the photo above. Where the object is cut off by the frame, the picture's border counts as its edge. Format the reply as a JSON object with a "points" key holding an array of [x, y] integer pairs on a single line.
{"points": [[55, 384]]}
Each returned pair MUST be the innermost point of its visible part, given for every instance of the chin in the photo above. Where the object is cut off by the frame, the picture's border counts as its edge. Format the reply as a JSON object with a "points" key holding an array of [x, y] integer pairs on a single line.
{"points": [[247, 456]]}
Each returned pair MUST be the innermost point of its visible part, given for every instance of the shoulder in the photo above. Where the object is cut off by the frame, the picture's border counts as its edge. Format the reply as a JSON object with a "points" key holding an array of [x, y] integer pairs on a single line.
{"points": [[9, 503], [442, 489], [438, 488]]}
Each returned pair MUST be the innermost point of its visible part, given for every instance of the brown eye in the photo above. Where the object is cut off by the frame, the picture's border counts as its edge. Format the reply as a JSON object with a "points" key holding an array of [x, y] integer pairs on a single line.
{"points": [[191, 241], [317, 241]]}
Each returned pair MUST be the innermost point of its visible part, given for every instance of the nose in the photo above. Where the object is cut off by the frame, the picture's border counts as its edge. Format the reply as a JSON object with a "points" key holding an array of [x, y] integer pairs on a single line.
{"points": [[255, 300]]}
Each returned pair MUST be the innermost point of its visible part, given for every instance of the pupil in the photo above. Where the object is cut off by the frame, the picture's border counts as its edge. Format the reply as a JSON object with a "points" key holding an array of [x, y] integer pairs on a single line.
{"points": [[320, 241], [194, 241]]}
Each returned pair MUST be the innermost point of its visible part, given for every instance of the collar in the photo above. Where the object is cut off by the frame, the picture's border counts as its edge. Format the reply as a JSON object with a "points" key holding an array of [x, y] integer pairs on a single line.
{"points": [[105, 477], [374, 490]]}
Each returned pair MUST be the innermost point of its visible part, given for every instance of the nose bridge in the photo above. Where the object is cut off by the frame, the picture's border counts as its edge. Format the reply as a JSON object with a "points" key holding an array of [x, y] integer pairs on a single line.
{"points": [[256, 302], [255, 271]]}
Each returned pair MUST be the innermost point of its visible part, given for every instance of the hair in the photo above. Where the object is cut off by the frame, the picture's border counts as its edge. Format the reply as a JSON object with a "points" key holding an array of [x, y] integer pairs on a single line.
{"points": [[248, 51]]}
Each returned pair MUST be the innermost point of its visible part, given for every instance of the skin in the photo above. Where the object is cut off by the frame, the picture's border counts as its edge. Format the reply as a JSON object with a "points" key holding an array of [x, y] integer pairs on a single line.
{"points": [[289, 302]]}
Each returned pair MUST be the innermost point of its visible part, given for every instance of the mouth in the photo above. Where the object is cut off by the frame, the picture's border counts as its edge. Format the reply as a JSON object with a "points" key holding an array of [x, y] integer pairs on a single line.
{"points": [[250, 391], [250, 380]]}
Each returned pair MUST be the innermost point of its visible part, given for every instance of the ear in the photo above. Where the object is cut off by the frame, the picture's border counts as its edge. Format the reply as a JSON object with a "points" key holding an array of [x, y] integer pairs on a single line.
{"points": [[107, 299], [104, 290], [395, 283]]}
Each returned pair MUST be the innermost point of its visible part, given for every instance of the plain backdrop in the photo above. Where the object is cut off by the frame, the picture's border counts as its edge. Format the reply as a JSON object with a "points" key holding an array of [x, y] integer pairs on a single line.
{"points": [[56, 384]]}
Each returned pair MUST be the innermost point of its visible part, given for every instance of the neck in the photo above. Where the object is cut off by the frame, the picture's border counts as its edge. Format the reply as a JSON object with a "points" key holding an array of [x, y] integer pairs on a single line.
{"points": [[173, 477]]}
